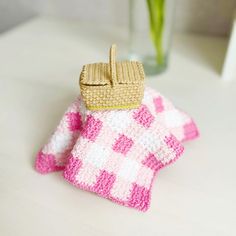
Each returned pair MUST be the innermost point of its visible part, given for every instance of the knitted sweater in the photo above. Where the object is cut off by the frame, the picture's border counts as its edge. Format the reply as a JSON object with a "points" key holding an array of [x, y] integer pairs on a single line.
{"points": [[116, 154]]}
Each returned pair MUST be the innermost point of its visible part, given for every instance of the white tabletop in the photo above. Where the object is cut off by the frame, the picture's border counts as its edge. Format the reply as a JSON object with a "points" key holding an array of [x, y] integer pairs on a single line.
{"points": [[40, 64]]}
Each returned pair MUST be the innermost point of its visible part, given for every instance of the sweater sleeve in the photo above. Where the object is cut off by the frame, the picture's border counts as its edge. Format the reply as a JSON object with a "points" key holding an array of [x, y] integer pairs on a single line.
{"points": [[53, 155]]}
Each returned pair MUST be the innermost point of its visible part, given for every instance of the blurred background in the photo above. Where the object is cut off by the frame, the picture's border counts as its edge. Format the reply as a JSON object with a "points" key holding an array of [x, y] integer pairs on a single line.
{"points": [[212, 17], [43, 46]]}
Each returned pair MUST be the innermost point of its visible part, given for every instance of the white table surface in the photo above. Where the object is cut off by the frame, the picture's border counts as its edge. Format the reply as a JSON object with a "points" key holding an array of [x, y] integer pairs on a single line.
{"points": [[40, 64]]}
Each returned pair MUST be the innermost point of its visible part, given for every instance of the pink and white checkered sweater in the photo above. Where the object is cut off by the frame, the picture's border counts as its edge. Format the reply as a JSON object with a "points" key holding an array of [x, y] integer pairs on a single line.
{"points": [[117, 153]]}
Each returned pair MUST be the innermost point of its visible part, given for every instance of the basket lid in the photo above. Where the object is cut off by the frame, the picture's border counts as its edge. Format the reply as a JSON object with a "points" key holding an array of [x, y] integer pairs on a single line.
{"points": [[112, 73]]}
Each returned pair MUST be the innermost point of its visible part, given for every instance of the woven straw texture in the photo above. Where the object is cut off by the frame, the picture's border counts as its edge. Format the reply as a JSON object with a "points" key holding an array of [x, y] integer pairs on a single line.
{"points": [[113, 85]]}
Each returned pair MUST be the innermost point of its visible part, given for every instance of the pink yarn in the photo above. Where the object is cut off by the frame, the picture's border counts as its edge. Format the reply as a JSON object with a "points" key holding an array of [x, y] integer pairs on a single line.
{"points": [[190, 131], [116, 154], [104, 183], [74, 121], [92, 128], [143, 116], [46, 163], [53, 156], [122, 144], [158, 104], [152, 162], [119, 169]]}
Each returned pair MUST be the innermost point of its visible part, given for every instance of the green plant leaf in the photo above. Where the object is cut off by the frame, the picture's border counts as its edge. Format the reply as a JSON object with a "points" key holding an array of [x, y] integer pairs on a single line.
{"points": [[156, 10]]}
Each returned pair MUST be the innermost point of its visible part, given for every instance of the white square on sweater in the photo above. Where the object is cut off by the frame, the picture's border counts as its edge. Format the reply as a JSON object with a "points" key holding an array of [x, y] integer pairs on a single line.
{"points": [[118, 121], [129, 170], [97, 155], [173, 119], [59, 142], [149, 141]]}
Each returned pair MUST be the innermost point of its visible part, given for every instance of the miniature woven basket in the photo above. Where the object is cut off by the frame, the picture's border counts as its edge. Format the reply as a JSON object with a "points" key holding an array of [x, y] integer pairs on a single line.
{"points": [[113, 85]]}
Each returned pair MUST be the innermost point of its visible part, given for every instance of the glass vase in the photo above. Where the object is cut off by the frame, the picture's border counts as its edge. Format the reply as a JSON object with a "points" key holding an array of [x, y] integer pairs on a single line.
{"points": [[150, 32]]}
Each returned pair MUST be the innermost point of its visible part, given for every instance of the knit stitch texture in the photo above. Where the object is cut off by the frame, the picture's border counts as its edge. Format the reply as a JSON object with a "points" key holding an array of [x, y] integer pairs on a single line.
{"points": [[117, 153], [120, 162], [54, 155]]}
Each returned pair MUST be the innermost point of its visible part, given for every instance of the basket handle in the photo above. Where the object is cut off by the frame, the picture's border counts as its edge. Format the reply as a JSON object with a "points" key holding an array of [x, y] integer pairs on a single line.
{"points": [[112, 64]]}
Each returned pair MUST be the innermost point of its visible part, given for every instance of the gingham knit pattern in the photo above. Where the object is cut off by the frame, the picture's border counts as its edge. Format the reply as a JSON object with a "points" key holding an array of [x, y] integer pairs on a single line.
{"points": [[117, 153], [53, 155]]}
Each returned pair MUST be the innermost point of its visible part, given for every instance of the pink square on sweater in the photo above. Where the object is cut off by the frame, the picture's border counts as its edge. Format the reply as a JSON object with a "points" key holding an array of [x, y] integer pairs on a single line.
{"points": [[46, 163], [140, 197], [72, 169], [123, 144], [152, 162], [104, 183], [173, 143], [158, 104], [91, 128], [190, 131], [143, 116], [74, 121]]}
